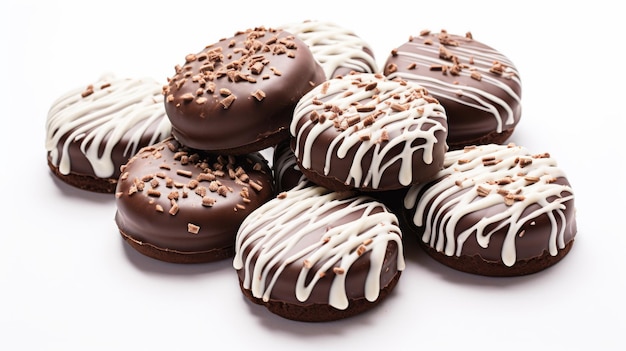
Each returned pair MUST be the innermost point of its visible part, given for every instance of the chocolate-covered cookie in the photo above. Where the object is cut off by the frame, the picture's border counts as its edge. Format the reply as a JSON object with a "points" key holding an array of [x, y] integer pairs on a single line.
{"points": [[479, 87], [495, 210], [92, 130], [315, 255], [182, 205], [237, 95], [363, 131], [338, 49]]}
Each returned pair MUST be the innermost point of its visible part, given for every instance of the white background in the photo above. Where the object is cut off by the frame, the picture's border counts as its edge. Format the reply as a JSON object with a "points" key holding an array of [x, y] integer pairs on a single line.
{"points": [[68, 281]]}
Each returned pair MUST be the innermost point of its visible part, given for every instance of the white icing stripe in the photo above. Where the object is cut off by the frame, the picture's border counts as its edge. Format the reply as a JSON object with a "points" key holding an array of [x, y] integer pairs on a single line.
{"points": [[413, 123], [103, 118], [457, 192], [272, 231], [334, 46], [478, 98]]}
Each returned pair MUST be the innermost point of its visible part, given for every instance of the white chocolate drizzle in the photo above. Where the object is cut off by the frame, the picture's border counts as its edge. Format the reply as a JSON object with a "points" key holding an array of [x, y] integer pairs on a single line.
{"points": [[474, 97], [478, 178], [101, 119], [419, 119], [334, 47], [283, 232]]}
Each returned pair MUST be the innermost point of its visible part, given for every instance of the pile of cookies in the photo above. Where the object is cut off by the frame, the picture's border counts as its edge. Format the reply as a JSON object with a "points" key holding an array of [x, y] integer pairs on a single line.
{"points": [[363, 159]]}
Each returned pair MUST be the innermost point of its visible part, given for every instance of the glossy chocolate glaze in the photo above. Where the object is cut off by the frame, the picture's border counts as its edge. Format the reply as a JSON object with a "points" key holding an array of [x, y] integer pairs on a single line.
{"points": [[287, 174], [482, 99], [397, 138], [186, 189], [536, 233], [123, 150], [309, 245], [283, 290], [238, 95], [93, 130], [503, 207]]}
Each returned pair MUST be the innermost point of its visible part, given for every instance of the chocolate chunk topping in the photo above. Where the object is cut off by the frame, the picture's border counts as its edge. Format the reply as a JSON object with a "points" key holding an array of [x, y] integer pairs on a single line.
{"points": [[250, 49]]}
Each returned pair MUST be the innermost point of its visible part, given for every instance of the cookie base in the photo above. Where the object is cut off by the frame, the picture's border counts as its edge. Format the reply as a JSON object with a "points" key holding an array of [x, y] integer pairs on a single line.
{"points": [[86, 182], [173, 256], [320, 312], [269, 140], [479, 266], [490, 138], [335, 184]]}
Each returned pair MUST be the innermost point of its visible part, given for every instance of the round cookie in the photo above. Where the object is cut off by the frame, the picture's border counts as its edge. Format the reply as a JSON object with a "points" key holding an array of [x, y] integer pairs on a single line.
{"points": [[237, 95], [479, 87], [495, 210], [287, 175], [338, 49], [91, 131], [181, 205], [366, 132], [315, 255]]}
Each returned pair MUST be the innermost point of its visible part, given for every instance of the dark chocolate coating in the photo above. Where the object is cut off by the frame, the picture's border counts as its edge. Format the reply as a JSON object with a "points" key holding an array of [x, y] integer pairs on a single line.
{"points": [[172, 176], [237, 95], [320, 310], [281, 244], [413, 146], [509, 214], [82, 174], [287, 174], [479, 87], [93, 130], [532, 249]]}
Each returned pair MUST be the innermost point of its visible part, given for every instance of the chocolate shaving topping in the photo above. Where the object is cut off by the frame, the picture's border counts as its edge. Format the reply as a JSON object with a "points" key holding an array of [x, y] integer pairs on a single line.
{"points": [[88, 91], [482, 191], [192, 228], [259, 95], [384, 136], [174, 209], [184, 173], [476, 76], [226, 102], [437, 67], [497, 68], [531, 179], [445, 54], [371, 86], [213, 171], [240, 59], [208, 201], [361, 250]]}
